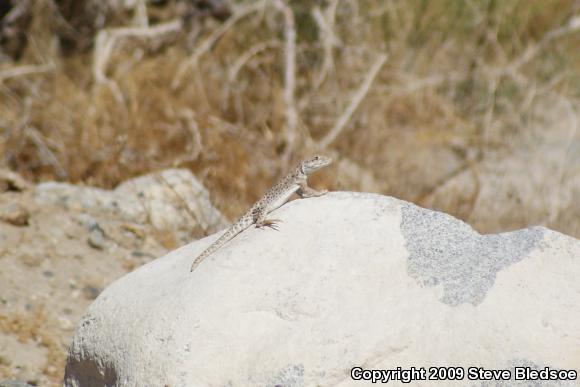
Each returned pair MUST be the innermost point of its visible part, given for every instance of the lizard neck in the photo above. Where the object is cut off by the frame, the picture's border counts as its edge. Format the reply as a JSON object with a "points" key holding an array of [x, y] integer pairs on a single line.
{"points": [[300, 171]]}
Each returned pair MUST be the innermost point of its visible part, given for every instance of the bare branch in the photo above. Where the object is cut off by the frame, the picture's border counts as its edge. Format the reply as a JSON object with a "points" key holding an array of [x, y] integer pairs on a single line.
{"points": [[329, 39], [25, 70], [356, 100], [141, 18], [108, 38], [246, 56], [289, 77], [47, 156], [572, 26], [207, 44]]}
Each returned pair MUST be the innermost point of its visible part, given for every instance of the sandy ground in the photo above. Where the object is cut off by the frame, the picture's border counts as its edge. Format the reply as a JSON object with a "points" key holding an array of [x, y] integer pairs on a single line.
{"points": [[53, 264]]}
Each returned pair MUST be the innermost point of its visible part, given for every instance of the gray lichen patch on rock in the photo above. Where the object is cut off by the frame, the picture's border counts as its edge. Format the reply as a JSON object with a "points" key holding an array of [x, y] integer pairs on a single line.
{"points": [[446, 251], [292, 376]]}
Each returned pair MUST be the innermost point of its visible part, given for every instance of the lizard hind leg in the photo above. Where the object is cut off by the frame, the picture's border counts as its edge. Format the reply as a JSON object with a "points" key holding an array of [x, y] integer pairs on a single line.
{"points": [[272, 223], [259, 214]]}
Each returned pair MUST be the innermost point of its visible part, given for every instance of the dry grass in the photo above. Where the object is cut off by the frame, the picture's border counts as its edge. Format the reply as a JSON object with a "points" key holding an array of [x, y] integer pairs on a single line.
{"points": [[35, 326], [236, 101]]}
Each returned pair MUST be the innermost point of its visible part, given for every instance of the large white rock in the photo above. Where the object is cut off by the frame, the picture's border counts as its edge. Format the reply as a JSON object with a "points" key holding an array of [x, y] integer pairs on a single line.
{"points": [[348, 280]]}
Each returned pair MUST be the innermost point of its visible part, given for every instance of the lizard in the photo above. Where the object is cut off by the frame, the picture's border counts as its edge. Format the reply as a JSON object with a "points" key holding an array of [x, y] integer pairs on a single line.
{"points": [[294, 182]]}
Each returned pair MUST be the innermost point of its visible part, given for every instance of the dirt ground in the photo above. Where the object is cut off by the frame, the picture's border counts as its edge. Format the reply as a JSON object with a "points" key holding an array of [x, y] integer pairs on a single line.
{"points": [[55, 259]]}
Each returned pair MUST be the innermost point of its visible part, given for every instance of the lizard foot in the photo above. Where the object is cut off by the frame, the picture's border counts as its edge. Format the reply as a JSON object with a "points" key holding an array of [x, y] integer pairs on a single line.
{"points": [[268, 223], [311, 193]]}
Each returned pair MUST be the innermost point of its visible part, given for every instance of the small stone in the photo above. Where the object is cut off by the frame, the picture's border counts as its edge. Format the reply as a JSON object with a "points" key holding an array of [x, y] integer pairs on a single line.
{"points": [[91, 292], [30, 260], [65, 323], [15, 214], [11, 181], [141, 254], [96, 236]]}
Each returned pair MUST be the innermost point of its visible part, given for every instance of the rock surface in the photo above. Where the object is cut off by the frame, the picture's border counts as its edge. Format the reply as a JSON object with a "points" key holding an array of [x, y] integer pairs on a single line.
{"points": [[14, 383], [15, 214], [349, 280], [170, 200]]}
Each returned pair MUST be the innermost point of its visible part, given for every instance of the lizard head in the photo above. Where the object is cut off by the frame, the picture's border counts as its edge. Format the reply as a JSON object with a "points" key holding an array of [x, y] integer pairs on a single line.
{"points": [[314, 163]]}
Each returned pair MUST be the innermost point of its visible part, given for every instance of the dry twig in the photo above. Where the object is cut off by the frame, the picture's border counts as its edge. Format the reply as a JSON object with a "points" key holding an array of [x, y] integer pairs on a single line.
{"points": [[246, 56], [572, 26], [25, 70], [356, 100], [207, 44], [108, 38], [47, 156], [531, 52], [141, 18], [289, 78], [329, 39]]}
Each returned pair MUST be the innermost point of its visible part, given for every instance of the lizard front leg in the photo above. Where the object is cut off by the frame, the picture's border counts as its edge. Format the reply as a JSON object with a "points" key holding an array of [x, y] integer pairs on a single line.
{"points": [[306, 192]]}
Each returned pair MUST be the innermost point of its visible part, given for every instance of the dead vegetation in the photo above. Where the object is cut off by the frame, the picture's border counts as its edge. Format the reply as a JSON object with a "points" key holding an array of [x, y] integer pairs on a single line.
{"points": [[414, 98], [34, 326], [98, 92]]}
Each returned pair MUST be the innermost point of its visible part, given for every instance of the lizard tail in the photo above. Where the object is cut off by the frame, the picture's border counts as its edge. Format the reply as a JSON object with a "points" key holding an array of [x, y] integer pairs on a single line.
{"points": [[226, 236], [200, 258]]}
